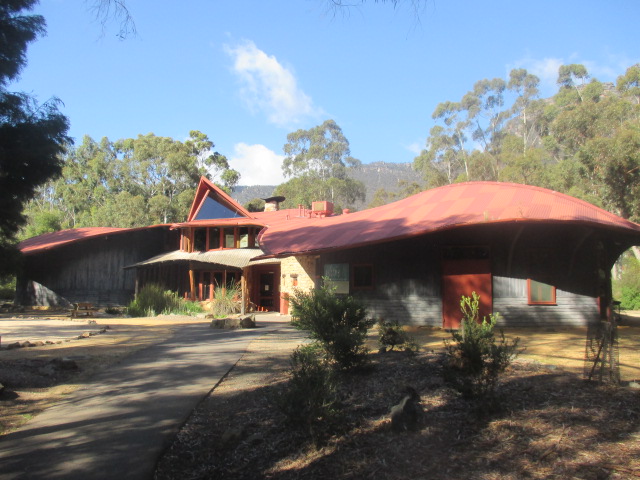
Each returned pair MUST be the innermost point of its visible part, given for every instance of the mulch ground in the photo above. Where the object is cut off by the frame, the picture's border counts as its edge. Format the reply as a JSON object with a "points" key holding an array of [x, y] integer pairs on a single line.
{"points": [[550, 423]]}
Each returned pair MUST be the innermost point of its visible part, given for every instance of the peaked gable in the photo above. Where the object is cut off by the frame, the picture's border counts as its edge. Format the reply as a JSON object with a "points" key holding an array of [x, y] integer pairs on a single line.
{"points": [[211, 203]]}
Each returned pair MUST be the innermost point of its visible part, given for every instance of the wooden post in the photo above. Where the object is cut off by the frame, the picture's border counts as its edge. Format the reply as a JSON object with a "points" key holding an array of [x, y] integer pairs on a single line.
{"points": [[243, 288], [192, 283]]}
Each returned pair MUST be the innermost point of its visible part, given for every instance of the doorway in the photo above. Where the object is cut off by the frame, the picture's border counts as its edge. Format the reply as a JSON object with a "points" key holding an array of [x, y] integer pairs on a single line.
{"points": [[462, 274], [266, 291]]}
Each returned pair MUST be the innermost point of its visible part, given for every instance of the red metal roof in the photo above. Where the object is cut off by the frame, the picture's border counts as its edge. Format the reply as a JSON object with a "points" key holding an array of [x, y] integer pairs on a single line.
{"points": [[441, 208], [63, 237]]}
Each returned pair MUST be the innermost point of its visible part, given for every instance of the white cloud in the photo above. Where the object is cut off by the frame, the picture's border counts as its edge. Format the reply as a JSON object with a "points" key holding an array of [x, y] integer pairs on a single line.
{"points": [[257, 165], [545, 69], [269, 87], [415, 147]]}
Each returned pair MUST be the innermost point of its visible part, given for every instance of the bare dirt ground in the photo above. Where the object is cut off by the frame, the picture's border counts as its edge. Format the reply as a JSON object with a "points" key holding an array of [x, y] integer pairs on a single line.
{"points": [[550, 423]]}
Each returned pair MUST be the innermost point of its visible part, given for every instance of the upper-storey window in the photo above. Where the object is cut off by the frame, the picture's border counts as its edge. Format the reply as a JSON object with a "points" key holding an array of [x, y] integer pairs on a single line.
{"points": [[211, 209], [216, 238]]}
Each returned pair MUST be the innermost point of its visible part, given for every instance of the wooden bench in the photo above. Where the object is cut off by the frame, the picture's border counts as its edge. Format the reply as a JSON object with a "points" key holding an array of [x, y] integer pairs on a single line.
{"points": [[83, 308]]}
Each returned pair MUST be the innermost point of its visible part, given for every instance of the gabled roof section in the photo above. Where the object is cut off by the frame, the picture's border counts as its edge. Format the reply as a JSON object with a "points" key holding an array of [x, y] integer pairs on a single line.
{"points": [[211, 203], [451, 206]]}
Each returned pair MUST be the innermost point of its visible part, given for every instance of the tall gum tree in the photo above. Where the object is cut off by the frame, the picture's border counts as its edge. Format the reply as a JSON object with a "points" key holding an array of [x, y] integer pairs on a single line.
{"points": [[316, 162]]}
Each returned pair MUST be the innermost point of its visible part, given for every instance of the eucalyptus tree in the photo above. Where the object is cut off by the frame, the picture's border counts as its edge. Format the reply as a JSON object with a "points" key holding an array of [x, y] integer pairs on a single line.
{"points": [[316, 164], [131, 182]]}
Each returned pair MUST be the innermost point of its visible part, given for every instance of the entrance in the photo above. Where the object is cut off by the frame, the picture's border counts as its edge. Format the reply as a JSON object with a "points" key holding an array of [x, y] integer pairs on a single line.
{"points": [[461, 275], [266, 290]]}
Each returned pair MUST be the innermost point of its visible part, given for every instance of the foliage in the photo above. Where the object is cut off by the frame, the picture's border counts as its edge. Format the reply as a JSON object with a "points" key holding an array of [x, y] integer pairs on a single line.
{"points": [[226, 300], [474, 359], [338, 323], [310, 401], [32, 135], [152, 300], [255, 205], [584, 141], [128, 183], [627, 287], [7, 287], [317, 161], [392, 335]]}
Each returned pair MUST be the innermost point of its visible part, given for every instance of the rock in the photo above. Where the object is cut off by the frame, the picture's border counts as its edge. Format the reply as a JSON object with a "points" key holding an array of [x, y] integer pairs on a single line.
{"points": [[64, 363], [48, 370], [38, 343], [231, 323], [13, 345], [255, 439], [407, 415], [248, 322], [634, 385], [85, 335], [231, 435]]}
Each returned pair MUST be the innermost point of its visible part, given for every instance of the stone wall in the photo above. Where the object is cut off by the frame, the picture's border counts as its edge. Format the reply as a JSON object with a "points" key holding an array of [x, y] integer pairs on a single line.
{"points": [[297, 273]]}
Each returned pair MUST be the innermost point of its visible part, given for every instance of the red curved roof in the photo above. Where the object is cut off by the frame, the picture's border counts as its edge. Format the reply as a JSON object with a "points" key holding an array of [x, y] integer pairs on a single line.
{"points": [[47, 241], [441, 208]]}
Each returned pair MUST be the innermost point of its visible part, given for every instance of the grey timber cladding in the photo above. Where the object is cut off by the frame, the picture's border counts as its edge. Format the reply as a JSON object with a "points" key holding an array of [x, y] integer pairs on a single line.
{"points": [[91, 270]]}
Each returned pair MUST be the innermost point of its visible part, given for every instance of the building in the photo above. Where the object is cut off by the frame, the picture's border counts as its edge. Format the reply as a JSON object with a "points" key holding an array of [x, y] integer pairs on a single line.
{"points": [[536, 256]]}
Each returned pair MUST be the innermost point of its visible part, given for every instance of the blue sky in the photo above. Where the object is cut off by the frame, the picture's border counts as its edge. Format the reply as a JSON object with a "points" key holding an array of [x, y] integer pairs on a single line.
{"points": [[248, 72]]}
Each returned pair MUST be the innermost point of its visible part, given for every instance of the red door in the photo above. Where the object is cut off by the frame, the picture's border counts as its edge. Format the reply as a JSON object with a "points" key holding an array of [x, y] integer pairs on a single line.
{"points": [[462, 277]]}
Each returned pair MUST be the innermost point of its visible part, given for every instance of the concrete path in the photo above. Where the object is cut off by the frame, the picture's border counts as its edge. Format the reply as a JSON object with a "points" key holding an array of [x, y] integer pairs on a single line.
{"points": [[117, 426]]}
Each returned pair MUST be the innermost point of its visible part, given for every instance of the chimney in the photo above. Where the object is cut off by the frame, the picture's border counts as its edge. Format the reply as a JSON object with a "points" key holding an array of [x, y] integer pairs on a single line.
{"points": [[272, 204], [322, 209]]}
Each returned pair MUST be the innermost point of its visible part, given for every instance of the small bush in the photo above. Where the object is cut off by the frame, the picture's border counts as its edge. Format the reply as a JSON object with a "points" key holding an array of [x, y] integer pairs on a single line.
{"points": [[226, 301], [474, 359], [152, 300], [310, 401], [338, 323], [392, 335]]}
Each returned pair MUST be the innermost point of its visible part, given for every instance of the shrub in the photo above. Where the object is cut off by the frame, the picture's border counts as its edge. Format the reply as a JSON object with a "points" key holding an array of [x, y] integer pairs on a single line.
{"points": [[310, 401], [474, 359], [391, 335], [226, 301], [152, 300], [338, 323]]}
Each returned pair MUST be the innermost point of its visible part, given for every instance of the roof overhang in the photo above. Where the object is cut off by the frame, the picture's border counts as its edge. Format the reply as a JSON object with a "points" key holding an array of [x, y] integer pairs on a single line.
{"points": [[231, 258]]}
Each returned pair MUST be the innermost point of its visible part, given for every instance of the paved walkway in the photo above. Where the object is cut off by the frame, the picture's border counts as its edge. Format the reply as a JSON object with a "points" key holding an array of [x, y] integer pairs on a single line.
{"points": [[118, 425]]}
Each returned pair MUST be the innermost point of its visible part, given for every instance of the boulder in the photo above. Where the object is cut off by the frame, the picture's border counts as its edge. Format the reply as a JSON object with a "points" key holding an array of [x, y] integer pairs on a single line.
{"points": [[232, 323]]}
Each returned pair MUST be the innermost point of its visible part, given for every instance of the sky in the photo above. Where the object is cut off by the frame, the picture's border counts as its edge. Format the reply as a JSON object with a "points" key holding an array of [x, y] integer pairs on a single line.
{"points": [[249, 72]]}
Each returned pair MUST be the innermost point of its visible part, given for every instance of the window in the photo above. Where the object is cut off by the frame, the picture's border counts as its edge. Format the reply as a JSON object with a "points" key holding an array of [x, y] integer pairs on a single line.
{"points": [[243, 237], [362, 276], [214, 238], [229, 238], [200, 240], [541, 293]]}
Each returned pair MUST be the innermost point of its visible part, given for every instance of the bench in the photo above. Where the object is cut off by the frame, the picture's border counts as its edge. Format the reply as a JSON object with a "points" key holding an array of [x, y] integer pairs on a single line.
{"points": [[83, 308]]}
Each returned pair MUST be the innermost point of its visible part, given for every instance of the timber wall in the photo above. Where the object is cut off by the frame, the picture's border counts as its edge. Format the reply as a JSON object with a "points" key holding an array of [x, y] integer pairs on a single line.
{"points": [[408, 278], [92, 270]]}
